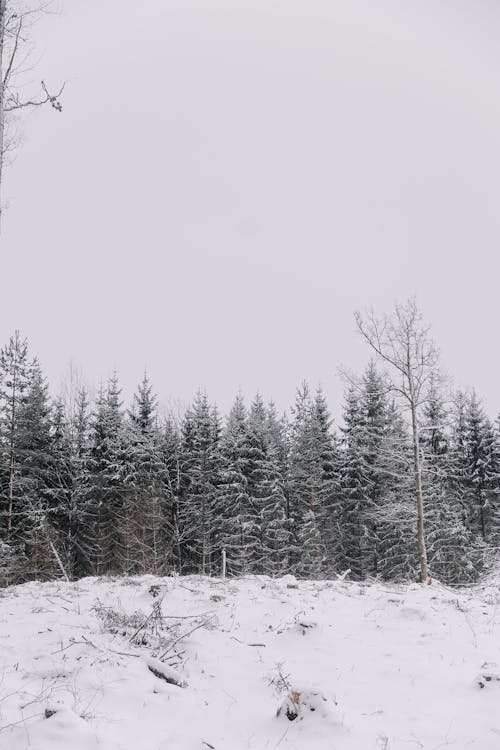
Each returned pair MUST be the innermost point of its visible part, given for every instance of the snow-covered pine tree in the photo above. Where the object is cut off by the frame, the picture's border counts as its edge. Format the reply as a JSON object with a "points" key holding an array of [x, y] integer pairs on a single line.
{"points": [[366, 473], [37, 474], [80, 542], [237, 523], [374, 447], [395, 517], [186, 529], [59, 487], [457, 482], [106, 479], [473, 474], [308, 500], [494, 540], [353, 511], [70, 509], [145, 511], [267, 497], [482, 473], [327, 476], [277, 436], [451, 549], [169, 445], [144, 406], [251, 504], [200, 472], [15, 367], [473, 477], [279, 440]]}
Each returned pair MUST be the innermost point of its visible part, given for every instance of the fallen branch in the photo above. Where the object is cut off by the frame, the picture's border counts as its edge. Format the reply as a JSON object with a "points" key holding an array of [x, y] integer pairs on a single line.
{"points": [[164, 672], [257, 645]]}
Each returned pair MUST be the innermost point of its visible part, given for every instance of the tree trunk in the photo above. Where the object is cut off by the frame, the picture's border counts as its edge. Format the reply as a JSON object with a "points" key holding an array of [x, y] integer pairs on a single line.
{"points": [[482, 521], [3, 4], [422, 553]]}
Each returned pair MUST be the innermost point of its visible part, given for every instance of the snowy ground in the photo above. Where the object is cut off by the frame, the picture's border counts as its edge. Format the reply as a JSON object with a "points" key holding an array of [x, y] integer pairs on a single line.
{"points": [[382, 666]]}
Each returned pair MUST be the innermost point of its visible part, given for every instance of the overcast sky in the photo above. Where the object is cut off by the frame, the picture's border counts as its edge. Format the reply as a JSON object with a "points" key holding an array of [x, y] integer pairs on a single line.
{"points": [[230, 179]]}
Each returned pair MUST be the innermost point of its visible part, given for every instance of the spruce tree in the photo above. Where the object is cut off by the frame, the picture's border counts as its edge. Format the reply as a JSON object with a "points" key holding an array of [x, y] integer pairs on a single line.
{"points": [[308, 500], [145, 529], [352, 513], [397, 557], [37, 476], [15, 368], [71, 507], [451, 547], [200, 467], [106, 468], [267, 497], [169, 446], [235, 515], [481, 471]]}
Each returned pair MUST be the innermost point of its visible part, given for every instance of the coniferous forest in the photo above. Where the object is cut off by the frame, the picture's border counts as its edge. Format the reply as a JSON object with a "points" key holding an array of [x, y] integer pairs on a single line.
{"points": [[97, 487]]}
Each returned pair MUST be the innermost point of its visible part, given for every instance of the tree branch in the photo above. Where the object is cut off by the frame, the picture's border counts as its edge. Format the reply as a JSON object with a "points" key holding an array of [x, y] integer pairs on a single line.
{"points": [[52, 99]]}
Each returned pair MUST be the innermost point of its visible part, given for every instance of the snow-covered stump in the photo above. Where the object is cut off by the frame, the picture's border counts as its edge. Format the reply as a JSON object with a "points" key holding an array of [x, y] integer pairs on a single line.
{"points": [[300, 702]]}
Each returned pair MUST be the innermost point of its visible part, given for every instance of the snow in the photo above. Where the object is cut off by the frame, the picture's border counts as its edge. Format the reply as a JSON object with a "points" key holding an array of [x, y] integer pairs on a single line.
{"points": [[194, 663]]}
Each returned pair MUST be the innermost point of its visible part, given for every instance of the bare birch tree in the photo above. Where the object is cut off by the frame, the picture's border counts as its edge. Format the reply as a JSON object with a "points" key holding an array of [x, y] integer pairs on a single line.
{"points": [[16, 19], [403, 342]]}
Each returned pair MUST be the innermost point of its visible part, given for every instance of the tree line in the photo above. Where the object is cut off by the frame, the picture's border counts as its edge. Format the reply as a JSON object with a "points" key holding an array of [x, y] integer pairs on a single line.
{"points": [[88, 487]]}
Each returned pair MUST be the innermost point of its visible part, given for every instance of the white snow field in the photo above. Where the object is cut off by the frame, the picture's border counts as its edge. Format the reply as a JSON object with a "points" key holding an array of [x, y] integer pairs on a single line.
{"points": [[219, 664]]}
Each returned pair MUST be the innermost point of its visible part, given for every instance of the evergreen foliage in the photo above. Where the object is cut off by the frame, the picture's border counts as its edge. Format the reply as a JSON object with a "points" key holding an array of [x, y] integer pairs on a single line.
{"points": [[92, 488]]}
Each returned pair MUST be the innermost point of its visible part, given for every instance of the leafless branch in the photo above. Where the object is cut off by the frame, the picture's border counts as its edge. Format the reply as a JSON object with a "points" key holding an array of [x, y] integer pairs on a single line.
{"points": [[13, 55], [15, 102]]}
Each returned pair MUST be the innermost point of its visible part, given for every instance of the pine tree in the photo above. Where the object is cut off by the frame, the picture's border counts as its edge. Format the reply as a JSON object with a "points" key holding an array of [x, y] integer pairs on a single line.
{"points": [[234, 512], [80, 541], [59, 491], [15, 370], [36, 472], [143, 411], [145, 531], [267, 494], [376, 460], [374, 518], [457, 478], [106, 490], [450, 545], [308, 500], [397, 557], [353, 511], [481, 470], [326, 472], [200, 468], [70, 510], [169, 446], [277, 436]]}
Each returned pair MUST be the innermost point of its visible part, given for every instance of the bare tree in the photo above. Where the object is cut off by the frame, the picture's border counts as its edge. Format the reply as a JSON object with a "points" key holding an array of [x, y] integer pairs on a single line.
{"points": [[403, 342], [16, 20]]}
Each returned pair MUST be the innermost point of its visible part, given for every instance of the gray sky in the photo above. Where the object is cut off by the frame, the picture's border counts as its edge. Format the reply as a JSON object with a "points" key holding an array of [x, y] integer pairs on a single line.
{"points": [[230, 179]]}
